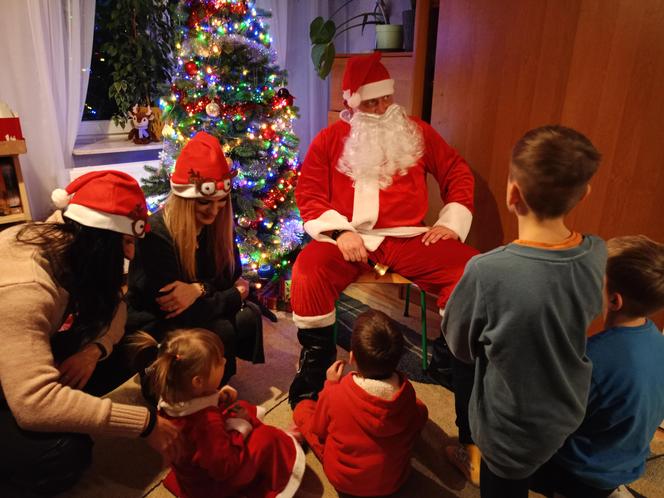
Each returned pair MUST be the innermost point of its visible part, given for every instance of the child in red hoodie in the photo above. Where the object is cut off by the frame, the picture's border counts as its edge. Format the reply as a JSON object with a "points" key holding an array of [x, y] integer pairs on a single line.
{"points": [[364, 425]]}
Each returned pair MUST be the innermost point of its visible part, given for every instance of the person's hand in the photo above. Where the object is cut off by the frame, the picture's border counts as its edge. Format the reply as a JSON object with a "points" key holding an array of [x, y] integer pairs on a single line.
{"points": [[239, 411], [336, 371], [243, 286], [165, 438], [227, 396], [437, 233], [352, 247], [179, 296], [76, 370]]}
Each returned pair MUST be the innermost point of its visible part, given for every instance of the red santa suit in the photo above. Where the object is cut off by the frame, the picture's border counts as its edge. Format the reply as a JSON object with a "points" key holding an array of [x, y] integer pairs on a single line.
{"points": [[230, 456], [363, 430], [367, 174], [389, 220]]}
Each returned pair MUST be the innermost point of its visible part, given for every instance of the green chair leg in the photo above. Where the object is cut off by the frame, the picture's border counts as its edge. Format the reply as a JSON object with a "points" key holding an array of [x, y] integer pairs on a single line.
{"points": [[407, 303], [423, 304]]}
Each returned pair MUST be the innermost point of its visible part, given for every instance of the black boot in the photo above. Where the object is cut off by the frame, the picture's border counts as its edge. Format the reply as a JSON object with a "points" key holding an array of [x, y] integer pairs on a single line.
{"points": [[440, 366], [318, 352]]}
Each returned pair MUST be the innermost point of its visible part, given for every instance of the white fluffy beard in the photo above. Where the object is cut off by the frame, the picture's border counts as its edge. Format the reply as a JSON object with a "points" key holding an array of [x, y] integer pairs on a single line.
{"points": [[381, 146]]}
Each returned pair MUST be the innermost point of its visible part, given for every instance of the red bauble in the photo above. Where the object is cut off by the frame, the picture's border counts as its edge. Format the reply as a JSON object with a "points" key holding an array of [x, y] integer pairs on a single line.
{"points": [[269, 133], [191, 68]]}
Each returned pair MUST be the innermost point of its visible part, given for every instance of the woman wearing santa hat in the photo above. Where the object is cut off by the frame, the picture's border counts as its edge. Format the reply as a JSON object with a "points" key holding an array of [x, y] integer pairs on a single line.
{"points": [[187, 270], [62, 312]]}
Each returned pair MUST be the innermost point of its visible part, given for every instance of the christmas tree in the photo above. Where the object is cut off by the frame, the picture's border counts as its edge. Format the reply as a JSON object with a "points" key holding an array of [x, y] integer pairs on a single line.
{"points": [[228, 84]]}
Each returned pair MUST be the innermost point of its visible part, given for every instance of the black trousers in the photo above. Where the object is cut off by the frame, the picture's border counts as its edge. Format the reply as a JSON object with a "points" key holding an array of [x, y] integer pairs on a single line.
{"points": [[494, 486], [463, 376], [547, 480], [551, 478], [40, 463]]}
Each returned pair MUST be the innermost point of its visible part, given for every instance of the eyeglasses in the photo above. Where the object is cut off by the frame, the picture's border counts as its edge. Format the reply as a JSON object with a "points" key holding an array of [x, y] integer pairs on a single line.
{"points": [[373, 103]]}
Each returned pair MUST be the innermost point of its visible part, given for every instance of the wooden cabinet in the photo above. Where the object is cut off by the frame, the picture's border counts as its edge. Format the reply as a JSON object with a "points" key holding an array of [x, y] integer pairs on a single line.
{"points": [[14, 205], [406, 68]]}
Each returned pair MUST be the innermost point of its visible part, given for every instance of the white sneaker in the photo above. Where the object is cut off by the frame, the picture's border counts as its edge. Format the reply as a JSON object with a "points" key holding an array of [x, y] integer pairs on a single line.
{"points": [[621, 492]]}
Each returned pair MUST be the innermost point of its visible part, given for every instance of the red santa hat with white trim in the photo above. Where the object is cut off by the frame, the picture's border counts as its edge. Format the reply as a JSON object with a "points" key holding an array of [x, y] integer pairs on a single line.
{"points": [[202, 169], [365, 78], [110, 200]]}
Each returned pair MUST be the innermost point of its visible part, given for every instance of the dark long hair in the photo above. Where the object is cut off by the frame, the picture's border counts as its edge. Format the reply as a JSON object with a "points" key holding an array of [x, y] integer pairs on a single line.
{"points": [[88, 263]]}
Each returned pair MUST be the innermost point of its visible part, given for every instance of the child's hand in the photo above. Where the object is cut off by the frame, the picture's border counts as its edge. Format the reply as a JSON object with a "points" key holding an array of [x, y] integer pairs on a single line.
{"points": [[238, 411], [336, 371], [227, 396]]}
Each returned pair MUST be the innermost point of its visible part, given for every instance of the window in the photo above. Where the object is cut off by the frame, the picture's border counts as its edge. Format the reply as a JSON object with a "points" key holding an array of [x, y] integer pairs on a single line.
{"points": [[98, 106]]}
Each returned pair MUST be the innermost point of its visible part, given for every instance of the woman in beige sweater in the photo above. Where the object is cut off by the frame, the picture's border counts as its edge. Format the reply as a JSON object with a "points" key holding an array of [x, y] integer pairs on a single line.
{"points": [[70, 266]]}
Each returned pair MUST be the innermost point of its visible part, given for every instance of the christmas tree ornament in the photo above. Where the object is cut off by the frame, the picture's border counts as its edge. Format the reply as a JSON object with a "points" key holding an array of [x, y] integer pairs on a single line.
{"points": [[191, 68], [244, 222], [268, 133], [213, 110], [283, 93], [265, 271]]}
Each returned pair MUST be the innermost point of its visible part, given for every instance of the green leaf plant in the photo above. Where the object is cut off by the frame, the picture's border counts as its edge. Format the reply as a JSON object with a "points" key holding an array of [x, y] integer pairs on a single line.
{"points": [[322, 34], [141, 37]]}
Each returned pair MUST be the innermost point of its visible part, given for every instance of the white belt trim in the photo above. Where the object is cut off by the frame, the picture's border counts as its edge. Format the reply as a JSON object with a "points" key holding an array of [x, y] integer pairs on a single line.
{"points": [[314, 322]]}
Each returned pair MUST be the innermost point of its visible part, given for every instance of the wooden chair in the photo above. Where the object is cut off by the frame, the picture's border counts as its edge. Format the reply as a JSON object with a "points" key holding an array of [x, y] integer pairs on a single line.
{"points": [[371, 277]]}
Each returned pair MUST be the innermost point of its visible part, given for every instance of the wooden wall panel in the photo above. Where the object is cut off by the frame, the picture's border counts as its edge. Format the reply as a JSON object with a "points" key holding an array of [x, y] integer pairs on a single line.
{"points": [[595, 65]]}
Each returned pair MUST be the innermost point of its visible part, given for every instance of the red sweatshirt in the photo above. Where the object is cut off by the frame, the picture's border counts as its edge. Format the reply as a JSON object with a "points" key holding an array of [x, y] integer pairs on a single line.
{"points": [[368, 440]]}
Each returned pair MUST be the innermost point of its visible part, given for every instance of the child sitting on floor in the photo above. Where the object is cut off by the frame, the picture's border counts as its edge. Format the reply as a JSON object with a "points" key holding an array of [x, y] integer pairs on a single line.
{"points": [[363, 426], [626, 399], [229, 450]]}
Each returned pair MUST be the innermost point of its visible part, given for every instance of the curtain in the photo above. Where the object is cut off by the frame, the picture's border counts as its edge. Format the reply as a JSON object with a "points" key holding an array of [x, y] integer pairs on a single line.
{"points": [[289, 28], [45, 61]]}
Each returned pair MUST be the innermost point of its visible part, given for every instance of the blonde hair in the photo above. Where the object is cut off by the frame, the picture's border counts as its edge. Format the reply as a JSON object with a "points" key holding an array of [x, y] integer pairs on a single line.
{"points": [[184, 354], [635, 269], [180, 220]]}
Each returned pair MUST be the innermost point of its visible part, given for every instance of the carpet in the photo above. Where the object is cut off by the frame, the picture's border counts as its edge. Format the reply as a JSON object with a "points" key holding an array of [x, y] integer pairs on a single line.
{"points": [[411, 362]]}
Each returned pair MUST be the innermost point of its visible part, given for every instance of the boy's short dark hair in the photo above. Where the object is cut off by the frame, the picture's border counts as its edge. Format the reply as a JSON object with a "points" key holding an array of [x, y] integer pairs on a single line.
{"points": [[376, 345], [552, 166], [635, 269]]}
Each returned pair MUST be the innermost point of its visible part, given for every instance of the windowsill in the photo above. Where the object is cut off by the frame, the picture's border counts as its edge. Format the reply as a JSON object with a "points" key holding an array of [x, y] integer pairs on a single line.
{"points": [[111, 144]]}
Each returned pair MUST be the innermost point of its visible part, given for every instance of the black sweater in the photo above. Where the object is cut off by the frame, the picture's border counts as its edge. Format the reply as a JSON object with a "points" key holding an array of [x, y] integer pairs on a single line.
{"points": [[156, 264]]}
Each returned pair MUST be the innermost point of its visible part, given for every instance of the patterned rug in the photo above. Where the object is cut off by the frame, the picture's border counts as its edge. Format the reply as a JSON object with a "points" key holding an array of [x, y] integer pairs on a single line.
{"points": [[411, 362]]}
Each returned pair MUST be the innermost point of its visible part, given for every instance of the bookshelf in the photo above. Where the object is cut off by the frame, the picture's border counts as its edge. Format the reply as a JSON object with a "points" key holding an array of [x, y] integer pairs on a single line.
{"points": [[14, 206]]}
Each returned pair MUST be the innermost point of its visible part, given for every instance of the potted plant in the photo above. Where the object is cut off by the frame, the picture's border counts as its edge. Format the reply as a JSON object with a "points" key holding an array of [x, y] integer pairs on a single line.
{"points": [[139, 50], [323, 32]]}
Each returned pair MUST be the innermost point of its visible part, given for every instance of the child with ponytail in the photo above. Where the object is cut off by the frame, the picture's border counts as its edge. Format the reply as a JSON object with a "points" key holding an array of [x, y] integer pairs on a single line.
{"points": [[229, 450]]}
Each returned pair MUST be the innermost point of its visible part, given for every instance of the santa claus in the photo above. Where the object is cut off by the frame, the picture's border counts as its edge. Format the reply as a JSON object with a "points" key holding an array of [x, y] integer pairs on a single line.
{"points": [[363, 197]]}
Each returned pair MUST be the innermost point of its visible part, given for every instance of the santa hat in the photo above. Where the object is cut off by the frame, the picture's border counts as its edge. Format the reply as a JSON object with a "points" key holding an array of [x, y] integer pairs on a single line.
{"points": [[202, 169], [365, 78], [111, 200]]}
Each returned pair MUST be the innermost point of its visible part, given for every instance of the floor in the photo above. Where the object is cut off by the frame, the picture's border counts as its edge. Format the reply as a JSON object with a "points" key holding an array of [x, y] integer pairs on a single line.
{"points": [[128, 468]]}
